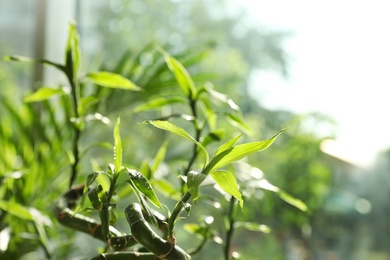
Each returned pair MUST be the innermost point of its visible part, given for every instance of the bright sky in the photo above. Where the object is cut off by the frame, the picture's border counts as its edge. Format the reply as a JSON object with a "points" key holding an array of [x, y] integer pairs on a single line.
{"points": [[340, 65]]}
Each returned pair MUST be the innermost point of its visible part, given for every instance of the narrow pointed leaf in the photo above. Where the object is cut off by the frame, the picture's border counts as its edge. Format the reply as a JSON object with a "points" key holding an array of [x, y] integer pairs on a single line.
{"points": [[167, 126], [158, 103], [30, 60], [238, 152], [72, 52], [292, 201], [143, 186], [228, 144], [222, 97], [194, 179], [117, 147], [25, 213], [111, 80], [228, 183], [264, 184], [182, 76], [42, 94], [253, 227], [238, 121], [159, 157]]}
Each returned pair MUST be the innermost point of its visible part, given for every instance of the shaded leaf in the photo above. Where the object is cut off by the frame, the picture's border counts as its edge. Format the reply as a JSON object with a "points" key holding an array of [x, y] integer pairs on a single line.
{"points": [[72, 51], [93, 195], [111, 80], [194, 179], [216, 135], [92, 177], [138, 181], [228, 183]]}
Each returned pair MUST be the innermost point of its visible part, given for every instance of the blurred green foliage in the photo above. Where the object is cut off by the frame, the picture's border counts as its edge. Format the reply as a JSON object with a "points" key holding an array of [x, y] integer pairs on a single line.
{"points": [[37, 149]]}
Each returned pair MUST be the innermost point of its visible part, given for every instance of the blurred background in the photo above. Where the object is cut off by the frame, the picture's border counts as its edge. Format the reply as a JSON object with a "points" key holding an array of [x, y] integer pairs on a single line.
{"points": [[320, 68]]}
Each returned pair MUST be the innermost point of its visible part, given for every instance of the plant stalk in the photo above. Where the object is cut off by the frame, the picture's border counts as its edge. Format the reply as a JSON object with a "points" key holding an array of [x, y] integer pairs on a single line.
{"points": [[230, 228]]}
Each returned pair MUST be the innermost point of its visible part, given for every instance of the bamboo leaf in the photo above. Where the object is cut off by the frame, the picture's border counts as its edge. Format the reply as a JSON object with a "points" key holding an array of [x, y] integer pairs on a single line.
{"points": [[158, 103], [117, 147], [138, 181], [72, 51], [25, 213], [253, 227], [220, 96], [292, 201], [228, 183], [159, 157], [93, 195], [264, 184], [111, 80], [167, 126], [238, 121], [17, 210], [228, 145], [236, 153], [30, 60], [42, 94], [182, 76], [194, 179]]}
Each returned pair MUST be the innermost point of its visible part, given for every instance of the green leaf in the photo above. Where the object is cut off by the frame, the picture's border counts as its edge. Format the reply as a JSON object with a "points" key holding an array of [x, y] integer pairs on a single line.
{"points": [[158, 103], [42, 94], [292, 201], [166, 188], [86, 103], [25, 213], [253, 227], [138, 181], [111, 80], [117, 147], [227, 145], [213, 136], [92, 177], [182, 76], [238, 121], [228, 183], [194, 179], [93, 195], [30, 60], [167, 126], [264, 184], [159, 157], [235, 153], [72, 51], [17, 210], [192, 228], [220, 96]]}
